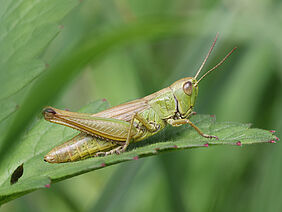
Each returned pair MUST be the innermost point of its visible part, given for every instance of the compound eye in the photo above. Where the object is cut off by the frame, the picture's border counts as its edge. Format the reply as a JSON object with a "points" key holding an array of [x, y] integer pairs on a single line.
{"points": [[188, 88]]}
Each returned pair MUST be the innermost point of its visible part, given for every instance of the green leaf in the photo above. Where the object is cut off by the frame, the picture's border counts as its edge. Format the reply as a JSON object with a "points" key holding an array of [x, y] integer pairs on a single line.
{"points": [[43, 136], [25, 30]]}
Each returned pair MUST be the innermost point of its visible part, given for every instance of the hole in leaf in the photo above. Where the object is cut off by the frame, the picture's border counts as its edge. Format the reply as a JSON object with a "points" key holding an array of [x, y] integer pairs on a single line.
{"points": [[16, 174]]}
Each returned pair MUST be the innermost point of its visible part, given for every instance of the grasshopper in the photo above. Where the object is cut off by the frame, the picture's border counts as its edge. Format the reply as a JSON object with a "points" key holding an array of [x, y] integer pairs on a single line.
{"points": [[111, 130]]}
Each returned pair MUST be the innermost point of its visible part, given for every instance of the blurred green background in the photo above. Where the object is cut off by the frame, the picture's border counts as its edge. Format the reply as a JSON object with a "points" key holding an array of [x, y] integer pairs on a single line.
{"points": [[247, 88]]}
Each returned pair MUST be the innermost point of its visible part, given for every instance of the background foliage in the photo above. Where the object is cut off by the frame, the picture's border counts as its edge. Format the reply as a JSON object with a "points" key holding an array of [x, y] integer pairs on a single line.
{"points": [[136, 48]]}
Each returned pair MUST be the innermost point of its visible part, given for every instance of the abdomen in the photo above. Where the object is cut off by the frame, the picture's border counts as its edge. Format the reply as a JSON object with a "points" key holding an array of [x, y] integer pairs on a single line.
{"points": [[80, 147]]}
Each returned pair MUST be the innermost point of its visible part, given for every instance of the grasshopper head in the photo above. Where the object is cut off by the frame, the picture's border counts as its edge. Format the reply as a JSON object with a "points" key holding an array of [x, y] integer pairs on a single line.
{"points": [[185, 90]]}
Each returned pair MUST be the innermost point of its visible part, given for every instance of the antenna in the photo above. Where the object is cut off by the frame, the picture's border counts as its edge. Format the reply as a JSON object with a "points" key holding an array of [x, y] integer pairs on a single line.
{"points": [[205, 60], [216, 66]]}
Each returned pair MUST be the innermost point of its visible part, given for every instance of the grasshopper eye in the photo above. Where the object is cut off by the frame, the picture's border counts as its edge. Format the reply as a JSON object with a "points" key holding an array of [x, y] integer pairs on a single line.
{"points": [[188, 88]]}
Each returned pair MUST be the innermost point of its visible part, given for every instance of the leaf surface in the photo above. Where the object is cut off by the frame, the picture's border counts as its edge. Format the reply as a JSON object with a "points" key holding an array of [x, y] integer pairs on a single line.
{"points": [[25, 30]]}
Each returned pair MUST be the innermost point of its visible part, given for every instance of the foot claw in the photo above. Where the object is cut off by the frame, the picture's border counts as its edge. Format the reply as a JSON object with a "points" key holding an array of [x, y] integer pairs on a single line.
{"points": [[117, 151], [210, 136], [213, 136], [193, 113]]}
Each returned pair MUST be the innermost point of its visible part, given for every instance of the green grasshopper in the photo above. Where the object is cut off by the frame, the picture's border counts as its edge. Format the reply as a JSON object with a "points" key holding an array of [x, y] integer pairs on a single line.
{"points": [[111, 130]]}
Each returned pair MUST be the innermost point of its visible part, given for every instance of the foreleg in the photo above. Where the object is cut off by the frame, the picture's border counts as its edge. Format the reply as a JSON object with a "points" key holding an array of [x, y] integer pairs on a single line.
{"points": [[187, 121]]}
